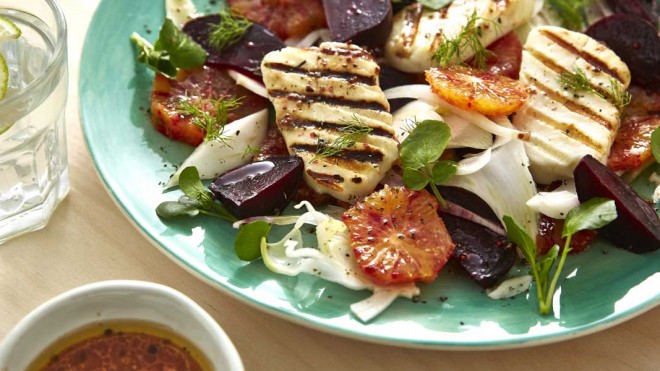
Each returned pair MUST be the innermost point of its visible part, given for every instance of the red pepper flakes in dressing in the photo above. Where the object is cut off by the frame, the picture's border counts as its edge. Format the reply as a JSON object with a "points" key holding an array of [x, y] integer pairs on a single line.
{"points": [[119, 350]]}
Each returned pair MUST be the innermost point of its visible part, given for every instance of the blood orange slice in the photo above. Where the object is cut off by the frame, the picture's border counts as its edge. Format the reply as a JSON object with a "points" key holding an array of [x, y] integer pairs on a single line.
{"points": [[632, 144], [286, 18], [398, 237], [208, 82], [475, 90]]}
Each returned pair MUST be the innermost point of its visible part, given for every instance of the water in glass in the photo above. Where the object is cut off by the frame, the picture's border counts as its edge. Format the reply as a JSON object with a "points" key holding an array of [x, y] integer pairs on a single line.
{"points": [[33, 165]]}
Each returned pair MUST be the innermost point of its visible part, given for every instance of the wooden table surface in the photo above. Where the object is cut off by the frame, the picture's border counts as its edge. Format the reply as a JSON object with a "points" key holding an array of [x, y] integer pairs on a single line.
{"points": [[88, 240]]}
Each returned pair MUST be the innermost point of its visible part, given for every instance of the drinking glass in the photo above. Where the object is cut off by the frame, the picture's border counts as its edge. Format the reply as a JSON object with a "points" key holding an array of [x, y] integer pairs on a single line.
{"points": [[34, 175]]}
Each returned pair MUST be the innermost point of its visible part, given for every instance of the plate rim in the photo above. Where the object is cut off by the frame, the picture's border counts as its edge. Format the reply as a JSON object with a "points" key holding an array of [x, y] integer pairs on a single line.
{"points": [[515, 342]]}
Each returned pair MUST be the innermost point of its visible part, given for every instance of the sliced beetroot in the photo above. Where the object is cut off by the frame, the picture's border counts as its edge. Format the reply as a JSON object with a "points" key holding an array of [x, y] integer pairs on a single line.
{"points": [[636, 42], [245, 55], [259, 188], [637, 228], [639, 8], [364, 22], [485, 255]]}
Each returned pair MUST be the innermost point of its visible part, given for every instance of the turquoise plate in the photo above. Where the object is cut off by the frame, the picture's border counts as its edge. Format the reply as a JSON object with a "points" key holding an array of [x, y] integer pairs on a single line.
{"points": [[604, 286]]}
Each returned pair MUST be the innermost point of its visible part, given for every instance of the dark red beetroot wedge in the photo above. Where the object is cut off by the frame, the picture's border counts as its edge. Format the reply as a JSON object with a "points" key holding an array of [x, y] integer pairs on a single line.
{"points": [[638, 227], [246, 54], [259, 188], [364, 22], [639, 8], [636, 42], [485, 255]]}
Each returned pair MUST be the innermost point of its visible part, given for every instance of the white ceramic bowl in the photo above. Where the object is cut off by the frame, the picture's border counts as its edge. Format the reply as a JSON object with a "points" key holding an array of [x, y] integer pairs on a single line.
{"points": [[117, 300]]}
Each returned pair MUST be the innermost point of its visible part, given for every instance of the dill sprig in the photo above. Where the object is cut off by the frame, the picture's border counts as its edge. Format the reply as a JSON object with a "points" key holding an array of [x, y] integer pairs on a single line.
{"points": [[251, 150], [410, 124], [209, 114], [619, 97], [229, 30], [353, 131], [467, 40], [573, 13], [578, 81]]}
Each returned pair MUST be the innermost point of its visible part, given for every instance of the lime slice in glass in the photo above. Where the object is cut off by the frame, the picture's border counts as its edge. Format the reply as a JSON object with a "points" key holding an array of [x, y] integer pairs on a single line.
{"points": [[4, 77], [8, 29]]}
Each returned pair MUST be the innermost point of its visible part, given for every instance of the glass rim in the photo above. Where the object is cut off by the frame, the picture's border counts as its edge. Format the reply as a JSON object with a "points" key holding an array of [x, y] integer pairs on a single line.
{"points": [[58, 56]]}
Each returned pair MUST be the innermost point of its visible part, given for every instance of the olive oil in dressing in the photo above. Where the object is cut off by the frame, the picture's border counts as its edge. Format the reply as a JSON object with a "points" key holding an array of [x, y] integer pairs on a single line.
{"points": [[83, 347]]}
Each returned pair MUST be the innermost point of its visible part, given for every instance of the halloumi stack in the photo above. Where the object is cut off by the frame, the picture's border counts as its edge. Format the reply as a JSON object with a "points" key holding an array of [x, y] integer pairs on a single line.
{"points": [[417, 32], [318, 93], [565, 124]]}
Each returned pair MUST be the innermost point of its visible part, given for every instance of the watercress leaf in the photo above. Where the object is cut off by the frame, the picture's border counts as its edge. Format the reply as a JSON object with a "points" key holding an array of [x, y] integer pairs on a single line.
{"points": [[192, 186], [424, 144], [184, 52], [157, 60], [248, 240], [435, 4], [548, 261], [520, 237], [185, 200], [443, 171], [593, 214], [172, 210], [571, 12], [414, 179], [655, 144]]}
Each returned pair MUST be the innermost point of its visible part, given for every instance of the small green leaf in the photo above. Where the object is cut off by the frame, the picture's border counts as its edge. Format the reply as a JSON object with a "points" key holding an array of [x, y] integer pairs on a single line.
{"points": [[571, 12], [192, 186], [156, 60], [184, 52], [443, 171], [172, 210], [248, 240], [546, 263], [520, 237], [435, 4], [425, 144], [655, 144], [174, 49], [414, 179], [593, 214]]}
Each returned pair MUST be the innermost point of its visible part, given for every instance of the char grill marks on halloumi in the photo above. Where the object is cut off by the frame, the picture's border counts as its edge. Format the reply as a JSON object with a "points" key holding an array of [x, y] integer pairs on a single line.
{"points": [[566, 125], [417, 31], [317, 92]]}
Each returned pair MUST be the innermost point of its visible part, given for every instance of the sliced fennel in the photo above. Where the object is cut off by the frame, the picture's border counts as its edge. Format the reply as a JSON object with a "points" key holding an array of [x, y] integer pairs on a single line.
{"points": [[556, 204], [510, 287], [216, 157], [424, 93], [463, 133], [332, 261], [505, 184], [180, 11], [322, 34], [248, 83]]}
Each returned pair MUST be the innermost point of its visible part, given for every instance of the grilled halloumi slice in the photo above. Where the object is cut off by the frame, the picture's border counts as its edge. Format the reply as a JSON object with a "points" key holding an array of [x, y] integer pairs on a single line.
{"points": [[322, 94], [417, 32], [566, 125]]}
